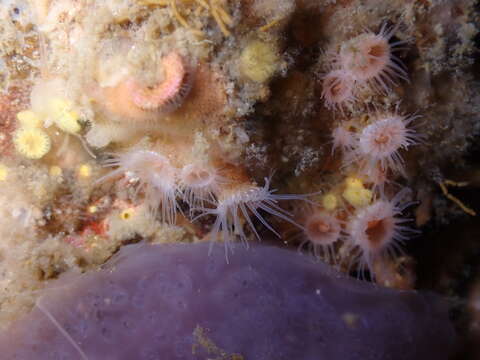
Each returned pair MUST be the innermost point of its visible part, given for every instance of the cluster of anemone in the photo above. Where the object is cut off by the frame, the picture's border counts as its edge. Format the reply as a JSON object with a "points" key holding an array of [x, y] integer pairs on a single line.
{"points": [[360, 230], [373, 144], [365, 61], [359, 221], [202, 187]]}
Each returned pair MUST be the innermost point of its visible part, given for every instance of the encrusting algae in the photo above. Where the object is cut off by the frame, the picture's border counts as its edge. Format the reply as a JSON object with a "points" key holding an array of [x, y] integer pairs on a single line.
{"points": [[215, 120]]}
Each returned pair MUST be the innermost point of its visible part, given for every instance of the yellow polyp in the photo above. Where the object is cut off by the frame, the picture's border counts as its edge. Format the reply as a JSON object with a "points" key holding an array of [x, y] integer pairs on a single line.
{"points": [[69, 122], [353, 182], [64, 116], [357, 196], [3, 172], [92, 209], [126, 214], [55, 171], [84, 171], [32, 143], [330, 202], [28, 118], [259, 61]]}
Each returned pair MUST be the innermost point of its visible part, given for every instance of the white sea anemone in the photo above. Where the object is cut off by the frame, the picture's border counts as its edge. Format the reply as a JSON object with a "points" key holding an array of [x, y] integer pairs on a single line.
{"points": [[155, 177], [237, 204], [199, 183]]}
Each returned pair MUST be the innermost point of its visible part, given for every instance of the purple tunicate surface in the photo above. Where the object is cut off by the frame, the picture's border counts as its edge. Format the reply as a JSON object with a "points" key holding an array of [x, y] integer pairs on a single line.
{"points": [[168, 302]]}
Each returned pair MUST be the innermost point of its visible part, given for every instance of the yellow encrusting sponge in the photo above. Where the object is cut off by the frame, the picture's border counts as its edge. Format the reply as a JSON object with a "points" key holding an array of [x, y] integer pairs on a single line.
{"points": [[355, 192], [330, 202], [259, 61], [55, 171], [64, 116], [28, 119], [33, 143]]}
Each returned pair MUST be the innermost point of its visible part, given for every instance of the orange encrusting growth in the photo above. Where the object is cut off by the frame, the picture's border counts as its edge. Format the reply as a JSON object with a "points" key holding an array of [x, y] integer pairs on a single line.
{"points": [[166, 93], [130, 99]]}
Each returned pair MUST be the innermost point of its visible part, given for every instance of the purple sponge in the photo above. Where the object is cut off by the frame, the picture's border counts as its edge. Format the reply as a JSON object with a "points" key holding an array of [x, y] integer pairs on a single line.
{"points": [[169, 302]]}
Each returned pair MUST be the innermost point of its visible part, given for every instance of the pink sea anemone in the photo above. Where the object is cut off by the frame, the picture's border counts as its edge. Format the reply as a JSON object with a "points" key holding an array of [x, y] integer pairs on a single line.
{"points": [[379, 143], [338, 89], [343, 138], [321, 231], [370, 58], [378, 231]]}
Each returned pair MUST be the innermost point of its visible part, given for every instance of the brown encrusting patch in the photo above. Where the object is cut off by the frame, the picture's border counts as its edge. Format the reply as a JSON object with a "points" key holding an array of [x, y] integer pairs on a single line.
{"points": [[15, 99]]}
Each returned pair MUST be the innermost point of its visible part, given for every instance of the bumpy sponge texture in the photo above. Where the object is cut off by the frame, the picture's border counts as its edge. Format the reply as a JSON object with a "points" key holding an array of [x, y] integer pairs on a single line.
{"points": [[176, 302]]}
